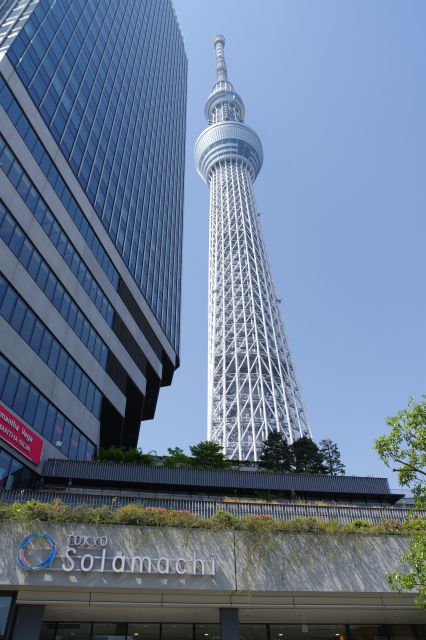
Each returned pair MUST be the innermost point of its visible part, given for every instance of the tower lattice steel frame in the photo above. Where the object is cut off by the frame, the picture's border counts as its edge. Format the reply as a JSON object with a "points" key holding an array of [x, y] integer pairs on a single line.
{"points": [[252, 387]]}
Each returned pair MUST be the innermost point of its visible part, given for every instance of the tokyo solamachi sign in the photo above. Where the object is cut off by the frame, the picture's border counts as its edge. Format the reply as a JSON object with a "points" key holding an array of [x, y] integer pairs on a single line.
{"points": [[92, 554], [19, 436]]}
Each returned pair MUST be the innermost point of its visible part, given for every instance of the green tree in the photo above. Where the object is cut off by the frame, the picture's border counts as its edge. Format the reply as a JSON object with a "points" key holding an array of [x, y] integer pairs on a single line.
{"points": [[331, 458], [404, 448], [209, 455], [121, 454], [276, 453], [404, 451], [307, 456], [177, 458]]}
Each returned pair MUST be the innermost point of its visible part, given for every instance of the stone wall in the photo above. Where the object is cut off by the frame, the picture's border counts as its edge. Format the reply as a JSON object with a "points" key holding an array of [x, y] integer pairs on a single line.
{"points": [[221, 561]]}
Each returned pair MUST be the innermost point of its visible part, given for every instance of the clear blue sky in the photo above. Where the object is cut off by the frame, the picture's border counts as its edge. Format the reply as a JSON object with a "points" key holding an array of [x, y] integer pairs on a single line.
{"points": [[336, 91]]}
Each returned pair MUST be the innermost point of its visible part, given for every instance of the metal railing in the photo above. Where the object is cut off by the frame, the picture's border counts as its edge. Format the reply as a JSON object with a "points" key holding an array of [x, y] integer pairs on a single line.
{"points": [[343, 513]]}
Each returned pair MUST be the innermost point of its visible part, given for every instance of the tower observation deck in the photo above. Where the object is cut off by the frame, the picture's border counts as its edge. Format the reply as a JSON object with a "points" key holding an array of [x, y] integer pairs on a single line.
{"points": [[252, 387]]}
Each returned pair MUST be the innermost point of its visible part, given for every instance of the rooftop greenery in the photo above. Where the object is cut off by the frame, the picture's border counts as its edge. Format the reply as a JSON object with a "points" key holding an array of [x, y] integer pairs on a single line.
{"points": [[57, 512], [302, 456]]}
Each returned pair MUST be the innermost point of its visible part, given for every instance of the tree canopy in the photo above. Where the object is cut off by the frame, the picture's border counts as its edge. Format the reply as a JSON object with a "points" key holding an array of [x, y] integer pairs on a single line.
{"points": [[121, 454], [302, 456], [276, 455], [404, 451], [332, 462], [177, 458], [209, 455], [307, 456], [404, 448]]}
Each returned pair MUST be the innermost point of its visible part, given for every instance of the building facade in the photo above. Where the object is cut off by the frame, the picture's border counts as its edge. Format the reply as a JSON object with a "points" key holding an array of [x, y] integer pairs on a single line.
{"points": [[106, 575], [93, 100], [252, 387], [128, 582]]}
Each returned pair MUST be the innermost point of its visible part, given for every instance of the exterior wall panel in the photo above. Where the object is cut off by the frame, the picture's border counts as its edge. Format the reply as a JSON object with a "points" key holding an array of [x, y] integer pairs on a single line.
{"points": [[93, 99]]}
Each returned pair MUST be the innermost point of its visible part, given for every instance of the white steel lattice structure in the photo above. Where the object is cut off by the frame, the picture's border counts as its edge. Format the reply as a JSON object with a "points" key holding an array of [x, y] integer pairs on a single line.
{"points": [[252, 387]]}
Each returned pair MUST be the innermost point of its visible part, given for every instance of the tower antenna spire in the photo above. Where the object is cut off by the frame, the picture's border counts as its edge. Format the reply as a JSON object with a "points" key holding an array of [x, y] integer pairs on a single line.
{"points": [[221, 70]]}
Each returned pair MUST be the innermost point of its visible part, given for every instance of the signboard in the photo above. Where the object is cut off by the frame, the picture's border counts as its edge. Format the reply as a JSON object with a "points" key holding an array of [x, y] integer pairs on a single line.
{"points": [[155, 560], [90, 554], [19, 436]]}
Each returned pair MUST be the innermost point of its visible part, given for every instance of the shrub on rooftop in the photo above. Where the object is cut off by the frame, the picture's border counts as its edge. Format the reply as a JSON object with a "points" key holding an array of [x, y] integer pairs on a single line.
{"points": [[388, 527], [360, 525], [134, 514], [130, 514], [414, 524], [182, 518], [223, 520], [303, 524], [92, 515]]}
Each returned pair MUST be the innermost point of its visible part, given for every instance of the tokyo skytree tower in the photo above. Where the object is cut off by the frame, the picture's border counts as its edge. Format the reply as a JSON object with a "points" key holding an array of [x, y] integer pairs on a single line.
{"points": [[252, 387]]}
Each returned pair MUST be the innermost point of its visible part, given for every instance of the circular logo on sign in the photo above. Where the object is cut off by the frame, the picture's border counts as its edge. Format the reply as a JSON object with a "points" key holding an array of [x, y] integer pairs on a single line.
{"points": [[28, 543]]}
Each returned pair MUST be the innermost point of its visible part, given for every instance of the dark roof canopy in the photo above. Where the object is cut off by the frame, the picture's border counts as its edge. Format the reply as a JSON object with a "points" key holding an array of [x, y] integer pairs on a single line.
{"points": [[181, 480]]}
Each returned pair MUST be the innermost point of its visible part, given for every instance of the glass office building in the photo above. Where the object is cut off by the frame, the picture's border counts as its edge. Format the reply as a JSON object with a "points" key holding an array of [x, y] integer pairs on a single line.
{"points": [[93, 99]]}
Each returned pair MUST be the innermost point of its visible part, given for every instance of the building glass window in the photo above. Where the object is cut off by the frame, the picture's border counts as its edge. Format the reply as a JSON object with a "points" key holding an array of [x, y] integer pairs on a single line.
{"points": [[4, 368], [176, 632], [21, 395], [90, 450], [40, 415], [93, 93], [21, 477], [5, 607], [402, 632], [56, 293], [307, 632], [5, 462], [25, 400], [14, 474], [28, 327], [253, 632], [74, 442], [51, 352], [48, 631], [8, 305], [58, 430], [40, 154], [49, 423], [143, 631], [109, 631], [58, 238], [18, 315], [66, 438], [199, 631], [73, 631], [368, 632], [10, 386], [31, 406], [207, 632]]}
